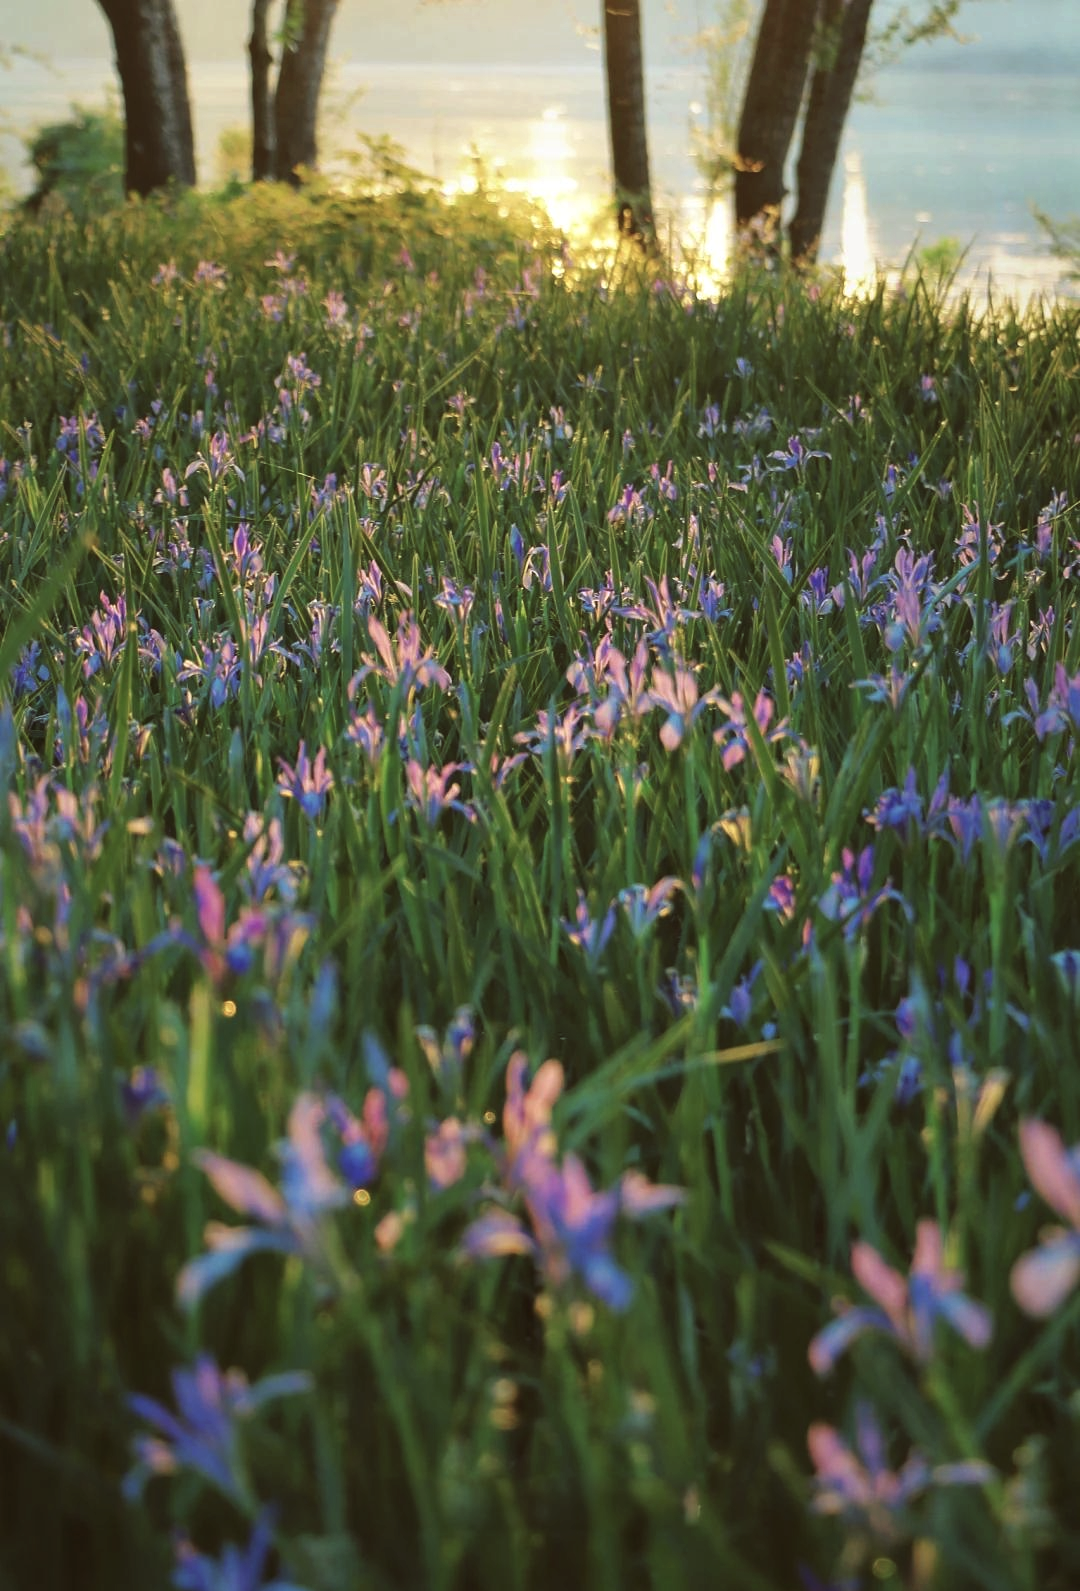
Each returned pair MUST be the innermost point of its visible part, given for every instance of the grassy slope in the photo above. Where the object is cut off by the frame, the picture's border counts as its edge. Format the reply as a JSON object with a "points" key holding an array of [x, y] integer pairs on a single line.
{"points": [[458, 1436]]}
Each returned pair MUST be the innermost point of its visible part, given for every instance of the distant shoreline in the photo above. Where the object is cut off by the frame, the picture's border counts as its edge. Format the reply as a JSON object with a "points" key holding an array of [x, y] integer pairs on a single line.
{"points": [[948, 153]]}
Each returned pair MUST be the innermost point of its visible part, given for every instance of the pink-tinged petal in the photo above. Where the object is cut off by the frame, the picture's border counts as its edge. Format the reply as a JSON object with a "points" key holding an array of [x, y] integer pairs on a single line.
{"points": [[308, 1184], [376, 1121], [496, 1235], [839, 1334], [382, 642], [929, 1251], [305, 1123], [885, 1286], [527, 1113], [837, 1469], [1052, 1173], [247, 1239], [517, 1068], [155, 1455], [577, 1191], [671, 734], [1043, 1278], [973, 1321], [638, 1196], [245, 1189], [389, 1231], [546, 1088], [210, 906], [444, 1154]]}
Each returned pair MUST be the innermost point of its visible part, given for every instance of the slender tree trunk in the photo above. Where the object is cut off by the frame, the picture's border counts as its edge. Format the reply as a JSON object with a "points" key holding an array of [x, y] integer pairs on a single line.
{"points": [[831, 88], [774, 92], [296, 101], [263, 142], [159, 145], [626, 119]]}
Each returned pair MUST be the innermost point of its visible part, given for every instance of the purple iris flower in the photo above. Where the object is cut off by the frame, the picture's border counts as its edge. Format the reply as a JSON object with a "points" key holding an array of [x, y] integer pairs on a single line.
{"points": [[644, 906], [141, 1092], [858, 1487], [401, 662], [286, 1220], [308, 783], [676, 691], [202, 1434], [1043, 1278], [431, 793], [447, 1059], [590, 934], [905, 1310], [572, 1224], [237, 1569], [732, 737]]}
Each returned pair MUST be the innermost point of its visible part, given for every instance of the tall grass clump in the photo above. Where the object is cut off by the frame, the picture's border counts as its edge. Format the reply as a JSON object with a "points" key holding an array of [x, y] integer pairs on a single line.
{"points": [[538, 915]]}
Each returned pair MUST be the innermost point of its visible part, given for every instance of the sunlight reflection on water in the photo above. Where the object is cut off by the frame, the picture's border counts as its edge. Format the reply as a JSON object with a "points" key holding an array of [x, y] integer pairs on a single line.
{"points": [[857, 258], [542, 132]]}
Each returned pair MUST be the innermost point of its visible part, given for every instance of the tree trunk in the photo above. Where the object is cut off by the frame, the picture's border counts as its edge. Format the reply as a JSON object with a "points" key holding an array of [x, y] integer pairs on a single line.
{"points": [[296, 101], [158, 140], [774, 92], [626, 119], [831, 89], [263, 142]]}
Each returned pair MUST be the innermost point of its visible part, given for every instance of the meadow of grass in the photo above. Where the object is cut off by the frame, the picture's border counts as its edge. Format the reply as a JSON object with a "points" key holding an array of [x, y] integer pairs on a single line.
{"points": [[539, 881]]}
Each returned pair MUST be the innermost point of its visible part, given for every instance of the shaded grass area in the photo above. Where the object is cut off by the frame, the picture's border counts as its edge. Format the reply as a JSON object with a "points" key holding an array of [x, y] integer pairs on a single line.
{"points": [[730, 762]]}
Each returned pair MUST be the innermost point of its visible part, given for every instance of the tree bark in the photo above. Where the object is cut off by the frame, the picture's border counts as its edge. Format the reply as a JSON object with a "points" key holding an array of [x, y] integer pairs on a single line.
{"points": [[296, 100], [774, 92], [263, 141], [831, 88], [625, 74], [159, 146]]}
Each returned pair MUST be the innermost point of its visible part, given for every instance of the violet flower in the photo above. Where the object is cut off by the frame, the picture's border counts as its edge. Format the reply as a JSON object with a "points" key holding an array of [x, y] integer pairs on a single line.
{"points": [[570, 1225], [223, 950], [644, 906], [237, 1569], [1044, 1277], [907, 1310], [401, 662], [849, 898], [430, 792], [202, 1434], [447, 1059], [308, 783], [589, 934], [858, 1487], [732, 737], [143, 1091], [676, 691], [286, 1221]]}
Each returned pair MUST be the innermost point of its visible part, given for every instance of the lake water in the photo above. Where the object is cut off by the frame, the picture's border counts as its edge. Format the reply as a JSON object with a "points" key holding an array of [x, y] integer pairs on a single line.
{"points": [[958, 143]]}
